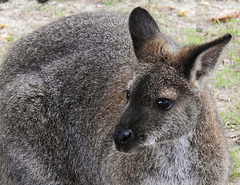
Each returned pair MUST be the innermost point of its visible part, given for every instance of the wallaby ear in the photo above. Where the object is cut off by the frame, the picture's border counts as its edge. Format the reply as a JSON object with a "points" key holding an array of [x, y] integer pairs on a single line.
{"points": [[199, 60], [142, 28]]}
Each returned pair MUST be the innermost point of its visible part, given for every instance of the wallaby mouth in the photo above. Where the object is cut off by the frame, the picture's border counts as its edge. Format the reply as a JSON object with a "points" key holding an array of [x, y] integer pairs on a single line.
{"points": [[124, 140]]}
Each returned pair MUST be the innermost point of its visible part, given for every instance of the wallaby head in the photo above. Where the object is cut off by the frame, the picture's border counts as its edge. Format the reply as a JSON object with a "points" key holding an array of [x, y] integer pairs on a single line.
{"points": [[164, 97]]}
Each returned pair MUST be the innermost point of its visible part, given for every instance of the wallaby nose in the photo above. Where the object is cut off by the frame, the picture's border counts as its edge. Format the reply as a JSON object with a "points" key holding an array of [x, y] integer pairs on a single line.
{"points": [[124, 139], [125, 136]]}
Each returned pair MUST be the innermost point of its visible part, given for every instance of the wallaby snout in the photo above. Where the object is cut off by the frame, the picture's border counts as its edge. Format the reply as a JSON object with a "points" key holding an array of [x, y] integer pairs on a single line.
{"points": [[124, 133]]}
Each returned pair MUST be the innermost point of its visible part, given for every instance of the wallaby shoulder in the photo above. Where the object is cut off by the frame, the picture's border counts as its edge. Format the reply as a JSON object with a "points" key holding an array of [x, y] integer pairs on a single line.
{"points": [[74, 36], [60, 87]]}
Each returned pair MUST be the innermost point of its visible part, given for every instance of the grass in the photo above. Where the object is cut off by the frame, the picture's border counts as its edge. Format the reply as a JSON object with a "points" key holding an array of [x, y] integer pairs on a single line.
{"points": [[228, 76], [52, 10], [235, 56], [235, 153], [191, 36], [10, 40], [111, 2], [228, 79], [230, 116]]}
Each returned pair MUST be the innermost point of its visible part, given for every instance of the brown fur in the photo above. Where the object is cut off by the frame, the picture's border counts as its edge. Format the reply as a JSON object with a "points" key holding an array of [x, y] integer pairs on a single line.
{"points": [[157, 50]]}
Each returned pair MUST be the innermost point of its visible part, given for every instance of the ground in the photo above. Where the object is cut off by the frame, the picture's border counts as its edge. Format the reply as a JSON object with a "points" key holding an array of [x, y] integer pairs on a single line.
{"points": [[188, 21]]}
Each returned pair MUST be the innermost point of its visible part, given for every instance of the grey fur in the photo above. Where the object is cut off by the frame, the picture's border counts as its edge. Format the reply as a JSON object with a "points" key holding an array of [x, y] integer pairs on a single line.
{"points": [[61, 94]]}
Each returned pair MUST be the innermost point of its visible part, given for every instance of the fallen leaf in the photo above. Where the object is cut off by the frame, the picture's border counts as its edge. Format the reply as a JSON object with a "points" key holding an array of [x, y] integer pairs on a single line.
{"points": [[4, 36], [171, 8], [199, 29], [182, 13], [222, 97], [205, 34], [236, 138], [227, 62], [2, 26], [225, 15], [238, 141], [204, 3]]}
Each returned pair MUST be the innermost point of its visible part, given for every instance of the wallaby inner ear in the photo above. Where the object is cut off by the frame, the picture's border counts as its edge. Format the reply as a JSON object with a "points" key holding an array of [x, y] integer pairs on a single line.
{"points": [[197, 61]]}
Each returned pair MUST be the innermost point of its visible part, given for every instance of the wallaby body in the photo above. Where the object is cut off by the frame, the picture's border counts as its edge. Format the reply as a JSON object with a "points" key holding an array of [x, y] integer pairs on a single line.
{"points": [[65, 117]]}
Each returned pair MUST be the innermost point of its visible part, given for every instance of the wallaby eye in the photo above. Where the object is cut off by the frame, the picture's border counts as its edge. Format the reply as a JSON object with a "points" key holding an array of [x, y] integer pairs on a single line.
{"points": [[128, 95], [164, 104]]}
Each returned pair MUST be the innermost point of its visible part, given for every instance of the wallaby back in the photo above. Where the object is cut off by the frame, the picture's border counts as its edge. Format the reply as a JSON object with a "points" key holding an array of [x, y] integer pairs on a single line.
{"points": [[85, 102]]}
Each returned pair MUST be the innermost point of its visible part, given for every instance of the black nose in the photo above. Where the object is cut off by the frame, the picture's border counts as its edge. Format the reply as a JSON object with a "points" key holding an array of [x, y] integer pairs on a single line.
{"points": [[125, 136], [124, 139]]}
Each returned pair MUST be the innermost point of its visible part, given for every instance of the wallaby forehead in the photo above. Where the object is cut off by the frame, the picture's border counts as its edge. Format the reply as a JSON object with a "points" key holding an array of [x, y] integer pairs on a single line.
{"points": [[160, 81]]}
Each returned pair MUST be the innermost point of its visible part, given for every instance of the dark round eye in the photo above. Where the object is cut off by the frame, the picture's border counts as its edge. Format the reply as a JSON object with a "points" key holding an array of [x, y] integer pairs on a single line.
{"points": [[128, 95], [164, 104]]}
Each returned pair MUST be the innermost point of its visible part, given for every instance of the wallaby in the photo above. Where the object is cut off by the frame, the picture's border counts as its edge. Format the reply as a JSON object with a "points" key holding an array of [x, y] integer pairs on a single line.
{"points": [[85, 100]]}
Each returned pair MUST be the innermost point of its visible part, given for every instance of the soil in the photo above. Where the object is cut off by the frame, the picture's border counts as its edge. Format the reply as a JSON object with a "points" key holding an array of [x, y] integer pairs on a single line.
{"points": [[23, 16]]}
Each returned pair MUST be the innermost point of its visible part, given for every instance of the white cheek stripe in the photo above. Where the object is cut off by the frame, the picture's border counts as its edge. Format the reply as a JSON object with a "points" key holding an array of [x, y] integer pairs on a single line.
{"points": [[130, 83], [150, 141]]}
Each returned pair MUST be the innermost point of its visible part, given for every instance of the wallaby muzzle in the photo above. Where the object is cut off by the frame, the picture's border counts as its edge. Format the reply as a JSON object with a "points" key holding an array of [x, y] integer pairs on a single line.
{"points": [[124, 136]]}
